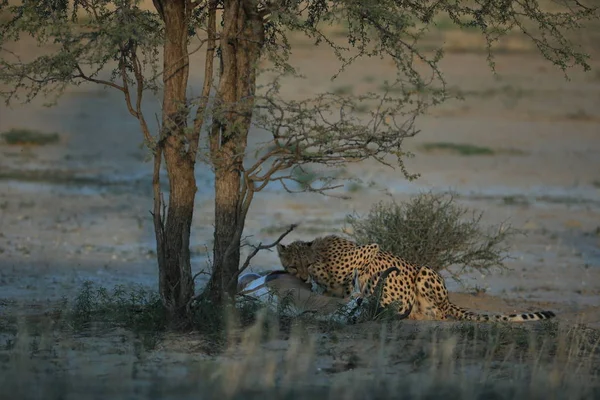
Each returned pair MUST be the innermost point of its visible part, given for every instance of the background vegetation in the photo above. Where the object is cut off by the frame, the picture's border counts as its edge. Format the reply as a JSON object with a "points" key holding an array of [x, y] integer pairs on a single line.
{"points": [[434, 230]]}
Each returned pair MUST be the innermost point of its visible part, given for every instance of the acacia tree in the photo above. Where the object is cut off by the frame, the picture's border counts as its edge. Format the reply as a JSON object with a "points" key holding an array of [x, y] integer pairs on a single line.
{"points": [[117, 44]]}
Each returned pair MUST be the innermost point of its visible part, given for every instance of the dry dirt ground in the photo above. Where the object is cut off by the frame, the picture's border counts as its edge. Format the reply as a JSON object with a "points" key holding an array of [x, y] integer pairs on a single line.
{"points": [[79, 209]]}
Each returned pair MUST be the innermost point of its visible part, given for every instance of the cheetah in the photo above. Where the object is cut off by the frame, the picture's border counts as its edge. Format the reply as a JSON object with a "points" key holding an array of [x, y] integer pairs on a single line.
{"points": [[338, 265]]}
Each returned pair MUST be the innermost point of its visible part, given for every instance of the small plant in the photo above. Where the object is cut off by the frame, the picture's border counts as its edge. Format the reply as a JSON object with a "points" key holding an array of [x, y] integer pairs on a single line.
{"points": [[362, 108], [354, 187], [579, 115], [134, 308], [344, 90], [372, 78], [23, 136], [459, 148], [431, 229], [515, 200]]}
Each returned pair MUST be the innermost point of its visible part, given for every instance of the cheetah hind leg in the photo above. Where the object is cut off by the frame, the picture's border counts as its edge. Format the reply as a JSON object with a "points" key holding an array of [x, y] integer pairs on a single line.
{"points": [[426, 309], [430, 298]]}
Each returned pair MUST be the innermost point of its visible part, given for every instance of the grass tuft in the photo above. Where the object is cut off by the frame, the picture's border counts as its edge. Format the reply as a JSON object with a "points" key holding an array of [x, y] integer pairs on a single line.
{"points": [[458, 148], [22, 136]]}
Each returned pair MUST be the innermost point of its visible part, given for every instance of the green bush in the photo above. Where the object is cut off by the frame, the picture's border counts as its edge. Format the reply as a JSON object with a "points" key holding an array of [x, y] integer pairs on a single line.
{"points": [[431, 229]]}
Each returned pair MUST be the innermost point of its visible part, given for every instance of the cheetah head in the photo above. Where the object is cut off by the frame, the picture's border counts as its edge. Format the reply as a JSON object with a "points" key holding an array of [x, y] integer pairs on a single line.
{"points": [[296, 257]]}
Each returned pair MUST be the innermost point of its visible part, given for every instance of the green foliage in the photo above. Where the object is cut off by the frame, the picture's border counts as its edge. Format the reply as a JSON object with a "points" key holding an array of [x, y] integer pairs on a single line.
{"points": [[431, 229], [22, 136], [85, 39], [89, 39]]}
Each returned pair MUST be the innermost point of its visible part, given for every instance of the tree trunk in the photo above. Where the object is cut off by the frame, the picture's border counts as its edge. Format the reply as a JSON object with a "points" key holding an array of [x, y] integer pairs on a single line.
{"points": [[227, 224], [241, 42], [173, 236]]}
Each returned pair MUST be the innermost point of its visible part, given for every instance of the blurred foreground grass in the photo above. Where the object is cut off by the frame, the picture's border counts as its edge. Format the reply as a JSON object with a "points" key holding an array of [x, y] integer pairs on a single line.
{"points": [[57, 356]]}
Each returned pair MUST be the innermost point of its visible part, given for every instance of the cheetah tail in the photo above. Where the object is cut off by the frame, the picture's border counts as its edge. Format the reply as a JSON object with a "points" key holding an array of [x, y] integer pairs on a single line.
{"points": [[463, 314]]}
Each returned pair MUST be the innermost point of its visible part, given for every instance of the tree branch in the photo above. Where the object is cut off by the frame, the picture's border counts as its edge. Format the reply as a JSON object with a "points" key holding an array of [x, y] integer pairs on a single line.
{"points": [[124, 78], [255, 251], [194, 136], [83, 76], [139, 78], [158, 4]]}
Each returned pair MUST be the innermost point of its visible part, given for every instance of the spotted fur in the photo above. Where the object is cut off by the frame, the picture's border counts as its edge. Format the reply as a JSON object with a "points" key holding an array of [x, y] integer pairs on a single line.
{"points": [[419, 292], [311, 262]]}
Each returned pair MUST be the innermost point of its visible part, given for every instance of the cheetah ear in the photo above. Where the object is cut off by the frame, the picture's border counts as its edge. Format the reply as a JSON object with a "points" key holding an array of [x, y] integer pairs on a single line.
{"points": [[280, 247]]}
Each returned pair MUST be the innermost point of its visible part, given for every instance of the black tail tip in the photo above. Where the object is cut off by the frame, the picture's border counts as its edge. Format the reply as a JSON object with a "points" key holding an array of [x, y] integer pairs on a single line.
{"points": [[547, 314], [537, 315]]}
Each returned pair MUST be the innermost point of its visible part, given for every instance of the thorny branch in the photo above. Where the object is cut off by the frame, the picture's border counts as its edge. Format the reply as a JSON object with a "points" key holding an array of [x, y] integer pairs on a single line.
{"points": [[258, 248], [85, 77], [246, 263], [326, 131]]}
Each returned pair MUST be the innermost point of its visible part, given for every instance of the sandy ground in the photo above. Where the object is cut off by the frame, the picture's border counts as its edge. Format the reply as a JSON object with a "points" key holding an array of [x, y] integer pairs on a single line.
{"points": [[79, 210]]}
